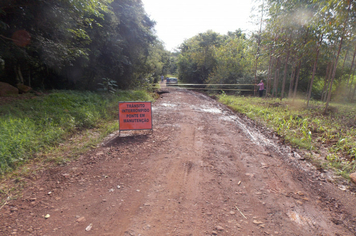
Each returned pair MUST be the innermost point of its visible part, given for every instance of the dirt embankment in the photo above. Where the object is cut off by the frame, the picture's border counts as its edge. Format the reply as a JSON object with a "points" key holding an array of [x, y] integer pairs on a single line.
{"points": [[203, 171]]}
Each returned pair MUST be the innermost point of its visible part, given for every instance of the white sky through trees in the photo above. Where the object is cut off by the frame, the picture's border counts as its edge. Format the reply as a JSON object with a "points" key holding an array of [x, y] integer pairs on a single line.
{"points": [[177, 20]]}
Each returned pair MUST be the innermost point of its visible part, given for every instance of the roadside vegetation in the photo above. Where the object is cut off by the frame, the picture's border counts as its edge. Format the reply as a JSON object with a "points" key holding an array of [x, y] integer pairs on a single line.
{"points": [[302, 49], [328, 138], [29, 128], [82, 43]]}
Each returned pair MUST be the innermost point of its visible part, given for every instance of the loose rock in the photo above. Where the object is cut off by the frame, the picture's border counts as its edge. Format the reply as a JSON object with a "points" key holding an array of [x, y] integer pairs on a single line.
{"points": [[81, 219], [264, 165], [89, 227], [23, 88], [7, 89], [353, 177], [257, 222]]}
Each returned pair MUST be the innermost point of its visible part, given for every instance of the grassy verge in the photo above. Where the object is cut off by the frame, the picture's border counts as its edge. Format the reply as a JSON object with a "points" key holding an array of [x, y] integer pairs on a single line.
{"points": [[330, 139], [35, 127]]}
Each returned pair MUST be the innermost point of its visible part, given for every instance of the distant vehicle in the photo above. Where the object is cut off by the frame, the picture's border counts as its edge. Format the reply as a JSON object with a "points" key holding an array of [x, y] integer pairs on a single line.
{"points": [[171, 80]]}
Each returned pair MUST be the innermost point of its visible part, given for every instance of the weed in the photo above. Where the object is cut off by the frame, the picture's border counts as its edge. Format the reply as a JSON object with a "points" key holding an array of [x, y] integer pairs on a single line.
{"points": [[32, 126], [306, 128]]}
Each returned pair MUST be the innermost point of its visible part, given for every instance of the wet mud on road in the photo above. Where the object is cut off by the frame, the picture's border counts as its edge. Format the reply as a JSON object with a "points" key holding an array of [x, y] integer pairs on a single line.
{"points": [[203, 171]]}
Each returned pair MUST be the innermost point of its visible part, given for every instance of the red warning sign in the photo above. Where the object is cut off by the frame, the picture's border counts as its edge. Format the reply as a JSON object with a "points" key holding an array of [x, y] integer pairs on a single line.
{"points": [[135, 115]]}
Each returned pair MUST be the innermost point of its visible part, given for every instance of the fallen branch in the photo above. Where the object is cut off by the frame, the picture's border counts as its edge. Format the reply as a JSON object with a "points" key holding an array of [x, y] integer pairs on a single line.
{"points": [[241, 212], [3, 205]]}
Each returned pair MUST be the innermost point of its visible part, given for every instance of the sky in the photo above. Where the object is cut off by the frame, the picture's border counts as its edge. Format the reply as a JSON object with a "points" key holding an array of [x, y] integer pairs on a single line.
{"points": [[177, 20]]}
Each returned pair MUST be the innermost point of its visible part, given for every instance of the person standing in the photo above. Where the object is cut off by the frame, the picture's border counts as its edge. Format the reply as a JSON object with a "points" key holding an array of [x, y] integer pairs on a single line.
{"points": [[162, 78], [261, 89]]}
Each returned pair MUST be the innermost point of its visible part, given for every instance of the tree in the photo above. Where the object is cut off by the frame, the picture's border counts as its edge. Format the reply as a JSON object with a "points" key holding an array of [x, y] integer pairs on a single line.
{"points": [[197, 60], [232, 63], [75, 44], [312, 33]]}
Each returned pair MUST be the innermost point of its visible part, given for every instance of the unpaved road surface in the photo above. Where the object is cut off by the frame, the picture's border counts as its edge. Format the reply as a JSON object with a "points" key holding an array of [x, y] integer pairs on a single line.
{"points": [[203, 171]]}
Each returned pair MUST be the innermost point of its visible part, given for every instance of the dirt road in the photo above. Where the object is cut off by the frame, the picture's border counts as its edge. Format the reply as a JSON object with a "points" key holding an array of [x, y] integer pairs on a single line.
{"points": [[203, 171]]}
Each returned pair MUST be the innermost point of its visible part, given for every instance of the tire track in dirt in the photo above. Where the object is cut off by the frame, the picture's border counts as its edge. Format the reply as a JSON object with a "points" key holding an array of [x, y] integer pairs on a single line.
{"points": [[203, 171]]}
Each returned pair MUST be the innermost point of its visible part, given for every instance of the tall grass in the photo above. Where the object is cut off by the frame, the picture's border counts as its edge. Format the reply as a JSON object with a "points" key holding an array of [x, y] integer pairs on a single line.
{"points": [[308, 129], [34, 125]]}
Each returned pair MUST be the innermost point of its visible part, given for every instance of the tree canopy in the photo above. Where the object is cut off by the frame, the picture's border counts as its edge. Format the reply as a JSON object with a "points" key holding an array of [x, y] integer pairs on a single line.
{"points": [[213, 58], [312, 39], [304, 48], [77, 44]]}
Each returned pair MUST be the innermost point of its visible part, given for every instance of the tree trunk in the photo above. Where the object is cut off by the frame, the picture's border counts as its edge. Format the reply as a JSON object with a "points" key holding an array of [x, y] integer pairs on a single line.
{"points": [[314, 70], [254, 91], [343, 64], [20, 74], [274, 79], [299, 65], [353, 94], [297, 80], [258, 47], [294, 66], [269, 73], [285, 73], [275, 82], [336, 60], [326, 82], [19, 77], [333, 75], [348, 80]]}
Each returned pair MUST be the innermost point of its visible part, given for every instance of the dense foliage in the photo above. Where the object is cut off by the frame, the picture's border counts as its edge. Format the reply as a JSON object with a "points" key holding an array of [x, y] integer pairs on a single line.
{"points": [[77, 44], [303, 47], [213, 58]]}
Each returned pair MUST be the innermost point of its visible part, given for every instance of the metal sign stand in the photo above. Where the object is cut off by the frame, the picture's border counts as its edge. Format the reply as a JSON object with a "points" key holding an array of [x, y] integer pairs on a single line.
{"points": [[134, 129]]}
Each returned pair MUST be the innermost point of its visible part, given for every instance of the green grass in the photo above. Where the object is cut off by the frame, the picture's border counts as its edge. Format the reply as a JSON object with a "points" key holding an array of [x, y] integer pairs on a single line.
{"points": [[307, 129], [37, 125]]}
